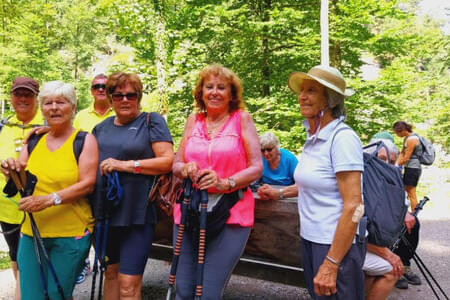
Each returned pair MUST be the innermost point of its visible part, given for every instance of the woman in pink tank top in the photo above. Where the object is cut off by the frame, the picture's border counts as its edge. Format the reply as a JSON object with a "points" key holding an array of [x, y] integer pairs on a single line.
{"points": [[219, 152]]}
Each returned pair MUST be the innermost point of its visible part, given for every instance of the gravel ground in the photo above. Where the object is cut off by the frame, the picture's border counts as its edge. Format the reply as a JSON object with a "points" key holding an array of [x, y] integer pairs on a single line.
{"points": [[434, 250]]}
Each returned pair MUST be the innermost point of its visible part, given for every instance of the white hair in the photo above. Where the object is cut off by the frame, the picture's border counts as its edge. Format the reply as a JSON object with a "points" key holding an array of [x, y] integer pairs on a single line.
{"points": [[269, 139], [388, 143], [57, 89]]}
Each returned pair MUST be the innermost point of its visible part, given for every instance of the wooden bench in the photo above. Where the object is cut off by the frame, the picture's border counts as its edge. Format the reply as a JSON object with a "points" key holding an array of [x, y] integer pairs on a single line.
{"points": [[272, 251]]}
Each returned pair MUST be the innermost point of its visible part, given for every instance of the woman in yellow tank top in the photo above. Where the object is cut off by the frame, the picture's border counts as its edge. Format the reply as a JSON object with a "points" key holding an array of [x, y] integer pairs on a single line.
{"points": [[59, 204]]}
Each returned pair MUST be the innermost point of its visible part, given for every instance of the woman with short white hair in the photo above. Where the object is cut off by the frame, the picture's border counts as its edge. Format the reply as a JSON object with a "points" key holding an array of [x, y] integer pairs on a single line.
{"points": [[278, 167], [58, 203]]}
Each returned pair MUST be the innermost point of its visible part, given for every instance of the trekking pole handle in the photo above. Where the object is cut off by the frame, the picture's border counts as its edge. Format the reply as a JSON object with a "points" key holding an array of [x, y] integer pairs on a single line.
{"points": [[420, 206]]}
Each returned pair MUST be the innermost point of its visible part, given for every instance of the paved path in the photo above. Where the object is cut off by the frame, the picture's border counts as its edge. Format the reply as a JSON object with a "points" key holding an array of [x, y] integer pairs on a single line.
{"points": [[434, 249]]}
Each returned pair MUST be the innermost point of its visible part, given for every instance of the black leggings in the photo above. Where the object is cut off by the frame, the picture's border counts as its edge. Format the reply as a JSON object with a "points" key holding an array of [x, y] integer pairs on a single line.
{"points": [[404, 251], [12, 239]]}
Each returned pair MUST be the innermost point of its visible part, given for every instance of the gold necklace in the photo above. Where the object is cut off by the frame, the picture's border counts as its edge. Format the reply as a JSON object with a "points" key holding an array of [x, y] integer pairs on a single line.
{"points": [[212, 127]]}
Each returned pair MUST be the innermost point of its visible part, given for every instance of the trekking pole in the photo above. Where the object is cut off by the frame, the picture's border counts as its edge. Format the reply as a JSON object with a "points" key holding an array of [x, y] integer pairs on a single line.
{"points": [[20, 187], [21, 184], [201, 243], [98, 237], [423, 267], [103, 256], [187, 191], [416, 211], [44, 251], [420, 264]]}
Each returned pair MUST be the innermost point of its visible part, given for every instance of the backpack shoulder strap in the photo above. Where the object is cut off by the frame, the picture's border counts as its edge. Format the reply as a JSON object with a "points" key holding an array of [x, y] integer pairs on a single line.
{"points": [[32, 142], [147, 118], [3, 122], [78, 143], [334, 136]]}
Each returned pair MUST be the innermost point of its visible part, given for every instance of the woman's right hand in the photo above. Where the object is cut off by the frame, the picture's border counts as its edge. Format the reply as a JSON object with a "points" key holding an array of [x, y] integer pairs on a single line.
{"points": [[12, 164], [190, 170]]}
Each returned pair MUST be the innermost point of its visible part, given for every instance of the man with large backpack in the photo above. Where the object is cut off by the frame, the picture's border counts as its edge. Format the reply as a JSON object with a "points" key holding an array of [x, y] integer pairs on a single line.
{"points": [[13, 131], [382, 267]]}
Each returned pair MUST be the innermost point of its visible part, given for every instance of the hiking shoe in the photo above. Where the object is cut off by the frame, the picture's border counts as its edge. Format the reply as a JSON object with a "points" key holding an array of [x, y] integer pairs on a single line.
{"points": [[412, 278], [402, 283], [82, 277]]}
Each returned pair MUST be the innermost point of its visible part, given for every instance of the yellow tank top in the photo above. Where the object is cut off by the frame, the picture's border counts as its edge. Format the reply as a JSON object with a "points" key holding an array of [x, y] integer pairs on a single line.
{"points": [[57, 170]]}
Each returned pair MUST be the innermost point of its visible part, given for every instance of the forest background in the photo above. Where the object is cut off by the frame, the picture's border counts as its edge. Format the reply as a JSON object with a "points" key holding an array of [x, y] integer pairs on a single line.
{"points": [[167, 42]]}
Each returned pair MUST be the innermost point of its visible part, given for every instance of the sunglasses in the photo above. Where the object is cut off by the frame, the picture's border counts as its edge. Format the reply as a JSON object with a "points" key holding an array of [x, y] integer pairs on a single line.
{"points": [[99, 86], [119, 97], [266, 149]]}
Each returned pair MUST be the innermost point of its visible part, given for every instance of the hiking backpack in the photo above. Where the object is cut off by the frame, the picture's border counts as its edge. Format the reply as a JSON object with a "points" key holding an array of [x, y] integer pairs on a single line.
{"points": [[78, 143], [383, 196], [428, 153]]}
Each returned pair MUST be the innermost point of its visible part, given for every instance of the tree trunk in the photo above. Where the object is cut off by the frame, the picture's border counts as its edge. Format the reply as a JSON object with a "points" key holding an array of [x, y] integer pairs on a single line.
{"points": [[161, 60], [335, 45], [265, 50]]}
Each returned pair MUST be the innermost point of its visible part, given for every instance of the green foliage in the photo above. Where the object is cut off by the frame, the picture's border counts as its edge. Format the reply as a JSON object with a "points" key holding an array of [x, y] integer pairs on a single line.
{"points": [[5, 261], [261, 41]]}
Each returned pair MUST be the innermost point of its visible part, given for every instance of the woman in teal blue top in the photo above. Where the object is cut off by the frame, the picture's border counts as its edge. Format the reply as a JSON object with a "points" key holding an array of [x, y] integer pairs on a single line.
{"points": [[279, 166]]}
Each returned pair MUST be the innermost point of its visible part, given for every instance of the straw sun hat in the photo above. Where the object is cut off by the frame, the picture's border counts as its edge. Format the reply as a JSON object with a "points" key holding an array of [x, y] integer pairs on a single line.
{"points": [[325, 75]]}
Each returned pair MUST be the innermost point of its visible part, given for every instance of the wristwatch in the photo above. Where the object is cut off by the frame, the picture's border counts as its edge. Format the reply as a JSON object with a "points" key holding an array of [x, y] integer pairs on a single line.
{"points": [[56, 199], [281, 194], [232, 183], [137, 167]]}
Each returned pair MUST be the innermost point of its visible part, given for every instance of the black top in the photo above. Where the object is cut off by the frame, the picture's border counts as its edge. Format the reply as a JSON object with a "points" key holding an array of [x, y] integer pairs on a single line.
{"points": [[128, 142]]}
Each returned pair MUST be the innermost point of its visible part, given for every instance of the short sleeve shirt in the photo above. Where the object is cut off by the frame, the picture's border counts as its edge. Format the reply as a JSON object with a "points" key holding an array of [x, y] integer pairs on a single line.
{"points": [[87, 118], [319, 201], [284, 173], [129, 142]]}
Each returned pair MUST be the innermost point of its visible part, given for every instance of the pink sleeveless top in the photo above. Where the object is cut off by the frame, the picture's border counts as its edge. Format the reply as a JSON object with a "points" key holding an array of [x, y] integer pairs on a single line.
{"points": [[224, 154]]}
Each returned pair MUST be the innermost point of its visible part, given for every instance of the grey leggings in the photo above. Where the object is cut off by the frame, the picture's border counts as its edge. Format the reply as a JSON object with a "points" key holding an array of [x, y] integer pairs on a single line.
{"points": [[222, 254]]}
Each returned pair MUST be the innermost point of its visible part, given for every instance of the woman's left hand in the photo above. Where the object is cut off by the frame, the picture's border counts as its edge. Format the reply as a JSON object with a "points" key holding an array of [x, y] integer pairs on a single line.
{"points": [[325, 279], [35, 203], [109, 165]]}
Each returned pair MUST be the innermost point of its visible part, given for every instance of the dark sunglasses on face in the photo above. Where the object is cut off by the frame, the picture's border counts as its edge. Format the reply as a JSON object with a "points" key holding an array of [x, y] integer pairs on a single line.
{"points": [[119, 97], [266, 149], [99, 86]]}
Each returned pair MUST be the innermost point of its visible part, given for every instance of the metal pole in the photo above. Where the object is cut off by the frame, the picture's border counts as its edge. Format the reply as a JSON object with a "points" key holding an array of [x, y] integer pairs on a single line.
{"points": [[325, 56]]}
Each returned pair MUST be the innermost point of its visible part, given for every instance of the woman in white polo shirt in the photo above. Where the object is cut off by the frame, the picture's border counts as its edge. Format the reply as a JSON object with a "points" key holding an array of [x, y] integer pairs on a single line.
{"points": [[328, 177]]}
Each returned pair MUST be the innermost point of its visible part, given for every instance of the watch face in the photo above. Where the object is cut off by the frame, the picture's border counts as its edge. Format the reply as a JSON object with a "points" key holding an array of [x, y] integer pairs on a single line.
{"points": [[56, 199], [232, 183]]}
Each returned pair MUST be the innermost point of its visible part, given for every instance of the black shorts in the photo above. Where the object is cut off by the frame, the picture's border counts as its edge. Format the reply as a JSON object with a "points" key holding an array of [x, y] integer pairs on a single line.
{"points": [[12, 239], [411, 176], [130, 247]]}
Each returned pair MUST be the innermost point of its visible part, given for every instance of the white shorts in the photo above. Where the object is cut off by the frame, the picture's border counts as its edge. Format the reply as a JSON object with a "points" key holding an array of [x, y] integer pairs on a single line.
{"points": [[374, 265]]}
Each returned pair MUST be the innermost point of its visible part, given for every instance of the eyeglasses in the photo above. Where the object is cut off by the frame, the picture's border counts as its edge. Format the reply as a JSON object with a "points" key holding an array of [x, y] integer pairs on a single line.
{"points": [[266, 149], [99, 86], [119, 97]]}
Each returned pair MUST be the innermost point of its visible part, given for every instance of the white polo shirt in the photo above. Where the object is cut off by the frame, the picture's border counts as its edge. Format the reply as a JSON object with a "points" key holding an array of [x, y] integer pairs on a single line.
{"points": [[319, 201]]}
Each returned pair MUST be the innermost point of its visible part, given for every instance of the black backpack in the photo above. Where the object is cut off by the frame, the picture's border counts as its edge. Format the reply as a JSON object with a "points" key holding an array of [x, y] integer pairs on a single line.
{"points": [[384, 197], [78, 143]]}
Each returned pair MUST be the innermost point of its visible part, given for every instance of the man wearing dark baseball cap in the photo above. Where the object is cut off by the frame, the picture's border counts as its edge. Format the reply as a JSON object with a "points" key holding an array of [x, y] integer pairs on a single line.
{"points": [[13, 130], [25, 83]]}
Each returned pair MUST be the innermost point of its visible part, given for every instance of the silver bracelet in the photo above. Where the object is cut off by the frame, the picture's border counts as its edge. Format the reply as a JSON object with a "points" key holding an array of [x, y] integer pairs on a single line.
{"points": [[332, 260]]}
